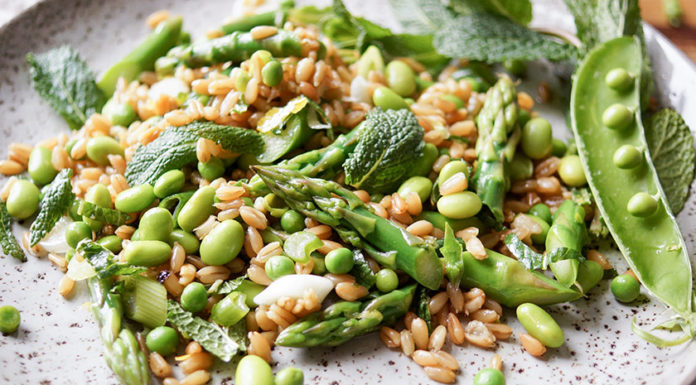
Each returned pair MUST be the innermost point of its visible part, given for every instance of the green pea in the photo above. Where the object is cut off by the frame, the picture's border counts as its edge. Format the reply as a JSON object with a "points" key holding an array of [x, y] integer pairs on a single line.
{"points": [[23, 199], [272, 73], [387, 280], [424, 163], [558, 147], [212, 169], [642, 205], [418, 184], [135, 236], [565, 271], [99, 148], [194, 297], [40, 166], [253, 370], [162, 340], [223, 243], [370, 60], [156, 225], [541, 211], [523, 116], [187, 240], [319, 265], [619, 79], [76, 232], [521, 167], [515, 67], [147, 253], [120, 114], [278, 266], [339, 261], [197, 209], [112, 243], [459, 103], [289, 376], [459, 205], [540, 325], [230, 309], [571, 171], [292, 221], [537, 138], [241, 80], [589, 275], [617, 116], [9, 319], [625, 288], [409, 101], [627, 157], [400, 78], [171, 182], [135, 198], [262, 55], [489, 376], [73, 211], [540, 238], [451, 168], [389, 100]]}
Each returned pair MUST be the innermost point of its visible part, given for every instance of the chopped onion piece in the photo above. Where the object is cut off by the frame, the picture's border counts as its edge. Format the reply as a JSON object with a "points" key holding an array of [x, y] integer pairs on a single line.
{"points": [[294, 286], [54, 242]]}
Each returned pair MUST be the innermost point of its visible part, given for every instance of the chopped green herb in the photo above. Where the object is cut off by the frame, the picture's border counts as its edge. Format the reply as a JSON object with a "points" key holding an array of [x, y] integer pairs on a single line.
{"points": [[58, 197], [7, 240]]}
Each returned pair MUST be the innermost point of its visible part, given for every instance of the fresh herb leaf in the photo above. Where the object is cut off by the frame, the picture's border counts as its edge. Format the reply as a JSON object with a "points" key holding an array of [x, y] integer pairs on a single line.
{"points": [[390, 143], [274, 119], [63, 79], [452, 251], [7, 240], [361, 270], [417, 47], [533, 260], [225, 343], [494, 39], [421, 17], [104, 262], [58, 198], [519, 11], [226, 287], [672, 151], [102, 214], [176, 147]]}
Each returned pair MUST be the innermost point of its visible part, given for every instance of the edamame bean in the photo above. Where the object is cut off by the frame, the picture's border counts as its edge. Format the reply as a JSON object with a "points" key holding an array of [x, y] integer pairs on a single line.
{"points": [[156, 225], [540, 238], [223, 243], [541, 211], [642, 205], [253, 370], [100, 147], [571, 171], [387, 280], [400, 78], [339, 261], [171, 182], [451, 168], [212, 169], [617, 116], [76, 232], [589, 275], [537, 138], [278, 266], [23, 200], [230, 309], [197, 209], [40, 167], [370, 60], [135, 198], [418, 184], [558, 147], [9, 319], [424, 164], [100, 196], [147, 253], [187, 240], [540, 325], [120, 114], [520, 168], [194, 297], [389, 100], [289, 376], [272, 73], [627, 157], [112, 243], [459, 205], [135, 236], [489, 376], [619, 79], [162, 340], [625, 288], [292, 221], [459, 103]]}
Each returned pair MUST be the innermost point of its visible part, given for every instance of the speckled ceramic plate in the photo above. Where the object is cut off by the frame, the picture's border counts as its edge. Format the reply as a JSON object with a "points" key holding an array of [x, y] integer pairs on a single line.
{"points": [[58, 343]]}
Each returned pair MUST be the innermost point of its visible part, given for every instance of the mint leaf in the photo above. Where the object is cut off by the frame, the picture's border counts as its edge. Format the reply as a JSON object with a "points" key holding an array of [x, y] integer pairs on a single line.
{"points": [[58, 198], [105, 263], [7, 240], [672, 151], [223, 342], [519, 11], [421, 16], [390, 142], [63, 79], [102, 214], [491, 38], [417, 47], [176, 147], [228, 286], [533, 260], [361, 270], [423, 306]]}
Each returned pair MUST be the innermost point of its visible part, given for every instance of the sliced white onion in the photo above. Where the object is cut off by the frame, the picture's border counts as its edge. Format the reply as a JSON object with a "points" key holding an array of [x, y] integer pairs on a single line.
{"points": [[79, 270], [294, 286], [359, 90], [170, 86], [54, 242]]}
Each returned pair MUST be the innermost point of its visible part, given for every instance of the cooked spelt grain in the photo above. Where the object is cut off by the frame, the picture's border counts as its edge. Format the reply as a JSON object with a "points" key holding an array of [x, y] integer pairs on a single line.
{"points": [[420, 333], [437, 338], [258, 274], [532, 345], [478, 334], [198, 377], [406, 341], [499, 330], [10, 167], [187, 274], [439, 374], [196, 361], [455, 330], [159, 366], [65, 286], [390, 337], [350, 291]]}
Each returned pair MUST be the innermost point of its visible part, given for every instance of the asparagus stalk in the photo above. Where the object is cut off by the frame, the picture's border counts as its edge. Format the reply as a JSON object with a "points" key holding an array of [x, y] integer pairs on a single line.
{"points": [[495, 147], [567, 235], [246, 23], [343, 321], [331, 204]]}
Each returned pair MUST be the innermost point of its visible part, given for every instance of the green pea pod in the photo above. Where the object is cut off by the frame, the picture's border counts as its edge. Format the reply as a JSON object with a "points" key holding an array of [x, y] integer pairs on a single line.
{"points": [[651, 244]]}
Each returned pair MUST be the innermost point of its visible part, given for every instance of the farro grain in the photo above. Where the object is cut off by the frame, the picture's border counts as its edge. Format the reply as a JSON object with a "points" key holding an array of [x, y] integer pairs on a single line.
{"points": [[196, 361], [406, 341], [5, 191], [455, 330], [321, 231], [456, 298], [548, 185], [499, 330], [350, 291], [198, 377], [253, 218], [408, 319], [206, 227], [187, 274], [200, 86], [485, 315], [193, 347], [156, 17], [58, 261], [177, 258], [437, 302], [454, 184], [496, 362], [65, 286], [547, 167], [390, 337], [221, 86], [420, 333], [474, 304], [171, 381], [532, 345], [440, 374], [478, 334], [258, 274], [159, 366], [263, 31], [493, 305], [437, 338], [329, 246], [210, 274], [447, 360], [425, 358], [420, 228], [172, 285], [464, 128], [338, 278], [10, 167], [304, 268], [440, 162], [596, 256], [124, 231], [262, 319]]}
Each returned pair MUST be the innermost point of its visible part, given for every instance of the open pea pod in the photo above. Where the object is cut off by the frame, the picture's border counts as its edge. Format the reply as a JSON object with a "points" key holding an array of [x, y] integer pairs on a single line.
{"points": [[645, 229]]}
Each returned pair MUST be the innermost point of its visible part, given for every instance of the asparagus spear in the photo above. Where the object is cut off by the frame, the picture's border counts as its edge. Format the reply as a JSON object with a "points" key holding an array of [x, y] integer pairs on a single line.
{"points": [[345, 320], [246, 23], [495, 147], [567, 235], [331, 204]]}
